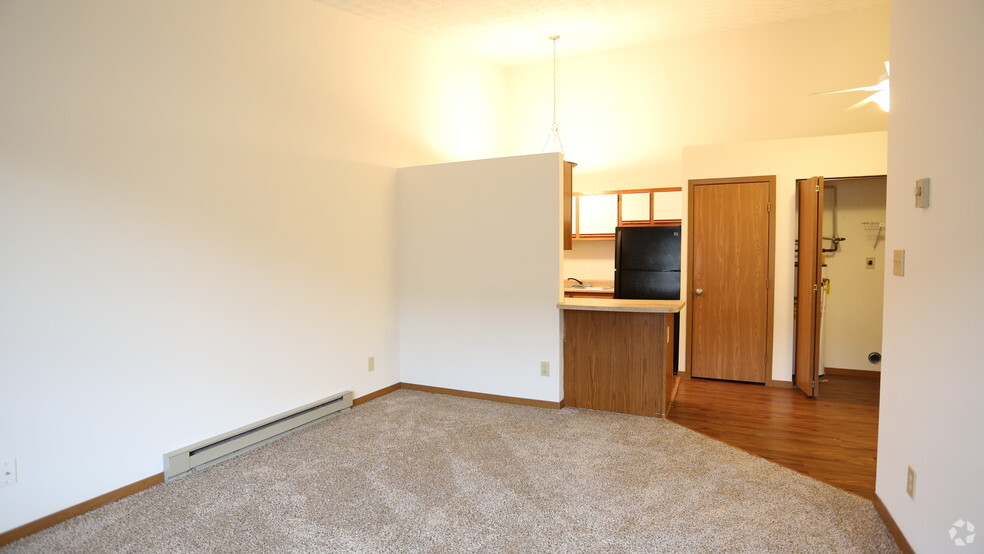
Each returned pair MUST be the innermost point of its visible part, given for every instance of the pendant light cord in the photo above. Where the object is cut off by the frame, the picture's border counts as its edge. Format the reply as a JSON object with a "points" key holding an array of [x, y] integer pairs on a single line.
{"points": [[554, 135], [554, 39]]}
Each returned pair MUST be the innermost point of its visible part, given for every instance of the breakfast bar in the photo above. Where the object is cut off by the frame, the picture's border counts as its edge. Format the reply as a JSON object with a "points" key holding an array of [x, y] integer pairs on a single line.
{"points": [[618, 354]]}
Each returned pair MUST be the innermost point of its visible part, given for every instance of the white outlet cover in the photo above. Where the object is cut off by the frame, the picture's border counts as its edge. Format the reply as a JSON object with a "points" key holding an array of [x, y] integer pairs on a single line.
{"points": [[898, 263]]}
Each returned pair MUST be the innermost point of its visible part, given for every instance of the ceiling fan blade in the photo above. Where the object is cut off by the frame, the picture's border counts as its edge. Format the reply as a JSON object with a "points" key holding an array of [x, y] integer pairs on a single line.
{"points": [[870, 88], [867, 100]]}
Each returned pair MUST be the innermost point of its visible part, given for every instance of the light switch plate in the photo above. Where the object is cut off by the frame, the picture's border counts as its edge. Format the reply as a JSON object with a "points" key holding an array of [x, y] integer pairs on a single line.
{"points": [[898, 263], [922, 193]]}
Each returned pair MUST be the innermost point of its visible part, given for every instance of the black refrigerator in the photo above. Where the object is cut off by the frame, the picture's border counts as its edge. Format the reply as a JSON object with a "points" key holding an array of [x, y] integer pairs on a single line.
{"points": [[647, 266]]}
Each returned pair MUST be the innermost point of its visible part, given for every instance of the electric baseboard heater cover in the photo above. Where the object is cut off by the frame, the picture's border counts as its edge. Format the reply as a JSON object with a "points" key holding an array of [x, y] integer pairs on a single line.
{"points": [[238, 441]]}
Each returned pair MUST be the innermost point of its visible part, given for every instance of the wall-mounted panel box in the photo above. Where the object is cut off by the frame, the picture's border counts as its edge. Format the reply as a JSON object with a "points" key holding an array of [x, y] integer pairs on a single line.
{"points": [[898, 263], [922, 193]]}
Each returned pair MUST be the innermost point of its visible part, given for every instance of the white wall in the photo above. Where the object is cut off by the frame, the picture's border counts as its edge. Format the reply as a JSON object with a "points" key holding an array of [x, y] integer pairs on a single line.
{"points": [[590, 260], [853, 316], [197, 205], [625, 114], [931, 409], [479, 275], [788, 160]]}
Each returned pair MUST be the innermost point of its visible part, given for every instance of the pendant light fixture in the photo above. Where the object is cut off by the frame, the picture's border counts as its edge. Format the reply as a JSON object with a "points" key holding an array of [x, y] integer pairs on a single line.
{"points": [[553, 143]]}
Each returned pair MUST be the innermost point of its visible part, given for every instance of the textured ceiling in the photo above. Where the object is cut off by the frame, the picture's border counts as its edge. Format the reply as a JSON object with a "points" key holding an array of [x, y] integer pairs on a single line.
{"points": [[511, 32]]}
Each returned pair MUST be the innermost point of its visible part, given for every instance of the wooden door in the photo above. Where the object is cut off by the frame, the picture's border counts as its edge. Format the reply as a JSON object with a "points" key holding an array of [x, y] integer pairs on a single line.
{"points": [[808, 263], [731, 260]]}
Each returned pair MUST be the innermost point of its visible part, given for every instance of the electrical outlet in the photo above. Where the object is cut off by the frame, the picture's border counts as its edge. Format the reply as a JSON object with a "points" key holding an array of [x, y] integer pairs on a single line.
{"points": [[910, 483], [8, 471], [372, 363], [545, 369]]}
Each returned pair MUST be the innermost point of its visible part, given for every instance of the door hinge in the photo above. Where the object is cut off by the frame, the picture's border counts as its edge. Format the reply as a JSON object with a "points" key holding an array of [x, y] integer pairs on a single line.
{"points": [[768, 207], [817, 188], [814, 288]]}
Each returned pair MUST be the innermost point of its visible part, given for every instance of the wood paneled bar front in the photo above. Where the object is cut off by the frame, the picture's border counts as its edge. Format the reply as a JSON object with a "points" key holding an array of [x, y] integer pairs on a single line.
{"points": [[618, 354]]}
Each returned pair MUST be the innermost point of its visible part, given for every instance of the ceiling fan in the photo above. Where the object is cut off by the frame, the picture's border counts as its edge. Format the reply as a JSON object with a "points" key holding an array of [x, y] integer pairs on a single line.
{"points": [[879, 92]]}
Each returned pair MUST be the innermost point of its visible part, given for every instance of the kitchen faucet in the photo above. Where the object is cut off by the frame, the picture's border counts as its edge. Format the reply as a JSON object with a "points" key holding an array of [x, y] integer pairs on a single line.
{"points": [[578, 280]]}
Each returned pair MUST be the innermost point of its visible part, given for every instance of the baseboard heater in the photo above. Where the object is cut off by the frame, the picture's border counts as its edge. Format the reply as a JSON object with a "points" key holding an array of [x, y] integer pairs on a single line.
{"points": [[233, 443]]}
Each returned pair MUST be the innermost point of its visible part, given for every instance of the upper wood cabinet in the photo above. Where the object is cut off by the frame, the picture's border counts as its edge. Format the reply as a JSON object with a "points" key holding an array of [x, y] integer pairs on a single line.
{"points": [[667, 205], [595, 216], [636, 207]]}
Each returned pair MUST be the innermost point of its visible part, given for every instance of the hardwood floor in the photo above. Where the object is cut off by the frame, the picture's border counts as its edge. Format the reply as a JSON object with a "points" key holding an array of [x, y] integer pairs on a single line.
{"points": [[833, 438]]}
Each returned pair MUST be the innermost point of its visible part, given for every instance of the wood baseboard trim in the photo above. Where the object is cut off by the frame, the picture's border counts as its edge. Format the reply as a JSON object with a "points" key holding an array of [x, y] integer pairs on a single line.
{"points": [[893, 528], [852, 373], [483, 396], [779, 384], [68, 513], [374, 395]]}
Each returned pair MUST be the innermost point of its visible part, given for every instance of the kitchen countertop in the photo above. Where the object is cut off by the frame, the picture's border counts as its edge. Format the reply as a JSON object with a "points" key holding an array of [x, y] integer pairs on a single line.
{"points": [[591, 286], [596, 286], [596, 290], [622, 305]]}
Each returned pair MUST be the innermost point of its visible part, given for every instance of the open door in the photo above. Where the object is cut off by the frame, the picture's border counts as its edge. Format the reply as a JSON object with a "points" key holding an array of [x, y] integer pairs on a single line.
{"points": [[809, 260]]}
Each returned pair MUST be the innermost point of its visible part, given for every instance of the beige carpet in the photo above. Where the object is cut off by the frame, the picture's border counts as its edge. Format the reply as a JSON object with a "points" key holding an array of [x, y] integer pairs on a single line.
{"points": [[419, 472]]}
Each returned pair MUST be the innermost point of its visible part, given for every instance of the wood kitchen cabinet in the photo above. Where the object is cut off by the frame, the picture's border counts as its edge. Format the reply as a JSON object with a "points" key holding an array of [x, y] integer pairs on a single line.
{"points": [[568, 204], [618, 354], [636, 207], [588, 294], [650, 207], [595, 216], [667, 205]]}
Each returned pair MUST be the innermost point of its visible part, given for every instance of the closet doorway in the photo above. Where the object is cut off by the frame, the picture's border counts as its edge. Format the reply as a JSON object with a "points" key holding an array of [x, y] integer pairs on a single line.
{"points": [[846, 311]]}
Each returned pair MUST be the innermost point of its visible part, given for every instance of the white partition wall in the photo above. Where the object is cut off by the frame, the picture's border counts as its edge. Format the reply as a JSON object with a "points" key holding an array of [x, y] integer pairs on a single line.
{"points": [[197, 205], [479, 252], [931, 411]]}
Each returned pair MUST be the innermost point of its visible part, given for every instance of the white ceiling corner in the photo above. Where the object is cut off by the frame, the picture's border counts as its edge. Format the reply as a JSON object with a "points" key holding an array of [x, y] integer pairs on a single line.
{"points": [[512, 32]]}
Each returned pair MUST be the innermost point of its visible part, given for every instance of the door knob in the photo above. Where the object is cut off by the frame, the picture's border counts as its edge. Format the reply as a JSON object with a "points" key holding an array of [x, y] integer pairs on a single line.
{"points": [[699, 292]]}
